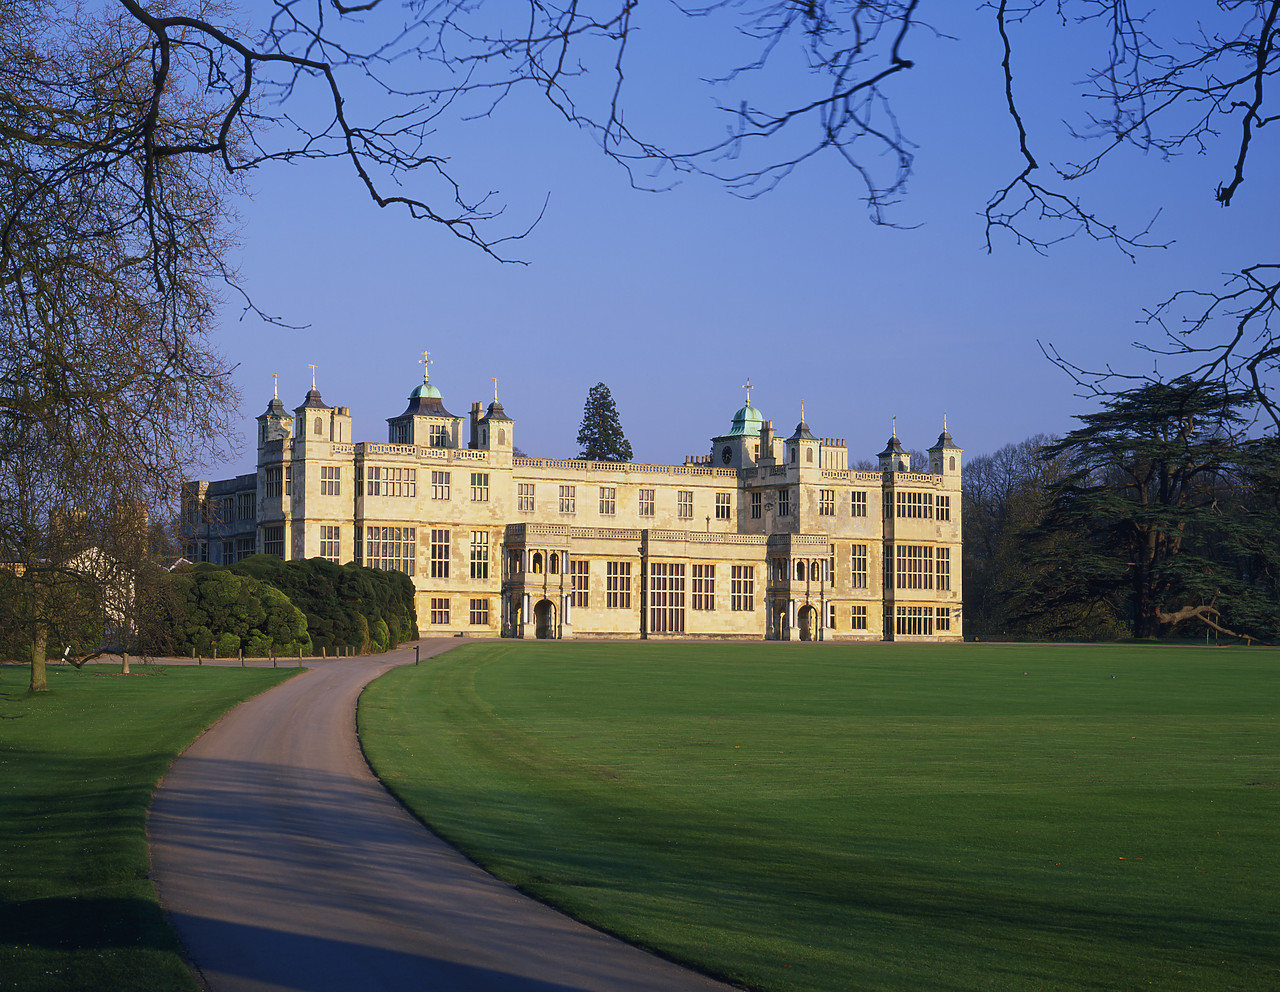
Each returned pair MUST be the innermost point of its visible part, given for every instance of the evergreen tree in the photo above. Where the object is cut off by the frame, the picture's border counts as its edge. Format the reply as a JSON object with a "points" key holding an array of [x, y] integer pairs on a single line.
{"points": [[1157, 518], [600, 433]]}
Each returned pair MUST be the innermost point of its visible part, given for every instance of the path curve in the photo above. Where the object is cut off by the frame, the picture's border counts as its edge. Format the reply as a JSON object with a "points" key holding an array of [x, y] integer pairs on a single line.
{"points": [[284, 865]]}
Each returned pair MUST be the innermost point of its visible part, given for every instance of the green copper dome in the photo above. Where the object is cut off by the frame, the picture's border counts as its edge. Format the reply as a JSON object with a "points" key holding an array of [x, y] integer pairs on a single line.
{"points": [[425, 392], [747, 421]]}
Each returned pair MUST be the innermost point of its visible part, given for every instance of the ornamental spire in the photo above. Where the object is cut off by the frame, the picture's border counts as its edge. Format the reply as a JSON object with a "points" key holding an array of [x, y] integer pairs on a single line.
{"points": [[313, 375], [425, 362], [747, 387], [275, 385]]}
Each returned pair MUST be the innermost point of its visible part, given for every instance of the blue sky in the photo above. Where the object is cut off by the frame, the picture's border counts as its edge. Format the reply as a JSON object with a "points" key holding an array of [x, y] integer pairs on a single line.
{"points": [[674, 299]]}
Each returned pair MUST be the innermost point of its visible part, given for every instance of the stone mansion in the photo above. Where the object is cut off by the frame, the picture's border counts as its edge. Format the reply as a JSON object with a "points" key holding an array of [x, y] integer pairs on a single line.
{"points": [[767, 537]]}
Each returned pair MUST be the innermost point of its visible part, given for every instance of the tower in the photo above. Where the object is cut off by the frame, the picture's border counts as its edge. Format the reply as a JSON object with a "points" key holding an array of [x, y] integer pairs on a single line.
{"points": [[944, 458], [740, 447]]}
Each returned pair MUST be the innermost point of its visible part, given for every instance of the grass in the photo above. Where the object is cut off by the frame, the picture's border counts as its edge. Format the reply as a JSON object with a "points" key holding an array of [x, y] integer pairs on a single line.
{"points": [[801, 817], [78, 766]]}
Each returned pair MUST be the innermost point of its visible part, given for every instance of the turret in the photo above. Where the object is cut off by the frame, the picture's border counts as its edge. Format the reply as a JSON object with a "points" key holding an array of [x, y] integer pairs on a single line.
{"points": [[894, 458], [425, 421], [274, 423], [944, 457], [741, 446], [803, 449]]}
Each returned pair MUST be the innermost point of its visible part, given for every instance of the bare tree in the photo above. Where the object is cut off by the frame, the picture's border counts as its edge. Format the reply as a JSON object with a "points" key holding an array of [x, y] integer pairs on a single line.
{"points": [[110, 256]]}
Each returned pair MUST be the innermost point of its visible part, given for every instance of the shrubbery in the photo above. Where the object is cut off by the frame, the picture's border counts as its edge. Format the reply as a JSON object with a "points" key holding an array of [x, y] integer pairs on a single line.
{"points": [[264, 603], [347, 606], [207, 608]]}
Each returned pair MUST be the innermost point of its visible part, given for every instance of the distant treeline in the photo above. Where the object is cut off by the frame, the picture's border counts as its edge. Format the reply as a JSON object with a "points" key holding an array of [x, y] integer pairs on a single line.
{"points": [[263, 604]]}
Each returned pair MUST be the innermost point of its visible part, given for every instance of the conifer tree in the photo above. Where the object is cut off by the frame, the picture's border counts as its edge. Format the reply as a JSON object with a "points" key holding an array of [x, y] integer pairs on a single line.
{"points": [[600, 433]]}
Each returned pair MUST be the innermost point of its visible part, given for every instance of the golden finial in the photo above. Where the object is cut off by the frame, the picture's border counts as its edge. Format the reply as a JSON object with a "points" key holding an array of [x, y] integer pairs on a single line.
{"points": [[313, 375], [894, 431], [802, 411], [944, 421], [275, 385], [425, 362], [747, 387], [495, 387]]}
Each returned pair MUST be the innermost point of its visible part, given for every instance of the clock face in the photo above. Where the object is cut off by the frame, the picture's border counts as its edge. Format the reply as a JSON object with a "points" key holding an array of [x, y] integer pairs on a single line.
{"points": [[726, 455]]}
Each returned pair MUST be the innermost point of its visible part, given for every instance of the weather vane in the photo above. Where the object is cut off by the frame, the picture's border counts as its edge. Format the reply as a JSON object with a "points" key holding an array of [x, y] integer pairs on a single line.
{"points": [[275, 385], [495, 387], [313, 375], [895, 427], [747, 387], [425, 362]]}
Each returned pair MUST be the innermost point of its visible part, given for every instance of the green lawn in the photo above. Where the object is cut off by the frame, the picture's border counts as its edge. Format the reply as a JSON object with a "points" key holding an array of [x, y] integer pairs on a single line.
{"points": [[78, 766], [869, 818]]}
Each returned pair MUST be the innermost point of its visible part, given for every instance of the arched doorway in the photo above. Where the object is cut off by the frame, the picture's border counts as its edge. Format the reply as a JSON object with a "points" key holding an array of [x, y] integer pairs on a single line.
{"points": [[544, 615], [808, 623]]}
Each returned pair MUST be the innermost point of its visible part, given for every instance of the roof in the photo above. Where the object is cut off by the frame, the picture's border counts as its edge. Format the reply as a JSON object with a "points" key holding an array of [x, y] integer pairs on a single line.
{"points": [[747, 421], [425, 401]]}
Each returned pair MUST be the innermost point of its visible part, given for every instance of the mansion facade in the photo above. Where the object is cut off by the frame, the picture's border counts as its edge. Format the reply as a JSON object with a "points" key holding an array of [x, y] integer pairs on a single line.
{"points": [[767, 537]]}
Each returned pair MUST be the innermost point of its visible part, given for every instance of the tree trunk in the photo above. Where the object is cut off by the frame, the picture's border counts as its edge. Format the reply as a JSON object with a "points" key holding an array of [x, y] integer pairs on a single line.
{"points": [[124, 662], [39, 681]]}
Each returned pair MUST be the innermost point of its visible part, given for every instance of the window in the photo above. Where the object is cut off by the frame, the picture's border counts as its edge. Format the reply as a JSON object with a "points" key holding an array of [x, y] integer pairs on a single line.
{"points": [[914, 621], [859, 505], [646, 502], [858, 566], [617, 584], [273, 541], [826, 502], [440, 485], [479, 554], [917, 505], [387, 481], [329, 543], [742, 587], [608, 501], [858, 619], [438, 436], [943, 558], [330, 480], [779, 570], [319, 425], [666, 597], [228, 552], [440, 609], [579, 571], [524, 496], [246, 506], [391, 549], [784, 502], [723, 507], [684, 504], [831, 616], [568, 499], [244, 547], [943, 621], [915, 567], [756, 505], [704, 587], [944, 507], [479, 487], [831, 565], [288, 480], [439, 554], [479, 613], [274, 487]]}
